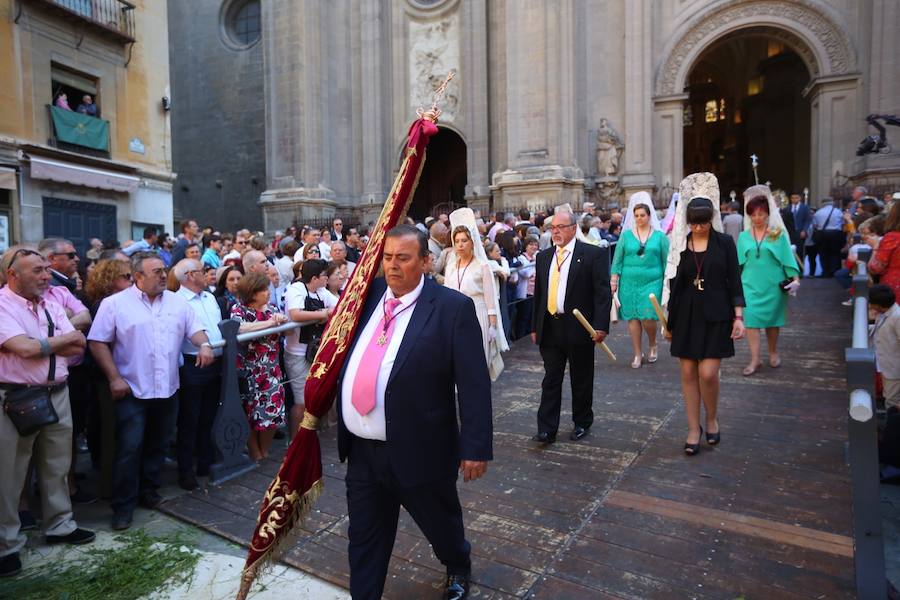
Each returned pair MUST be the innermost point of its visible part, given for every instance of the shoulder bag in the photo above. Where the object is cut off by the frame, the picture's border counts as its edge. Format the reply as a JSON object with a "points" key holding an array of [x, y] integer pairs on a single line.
{"points": [[311, 335], [30, 407], [819, 234]]}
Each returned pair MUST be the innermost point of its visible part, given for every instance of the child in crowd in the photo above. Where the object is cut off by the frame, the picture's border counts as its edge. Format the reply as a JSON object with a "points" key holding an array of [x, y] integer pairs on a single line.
{"points": [[886, 336]]}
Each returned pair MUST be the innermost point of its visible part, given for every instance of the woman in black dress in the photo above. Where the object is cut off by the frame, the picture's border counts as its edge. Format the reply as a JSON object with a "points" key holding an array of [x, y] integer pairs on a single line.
{"points": [[705, 303]]}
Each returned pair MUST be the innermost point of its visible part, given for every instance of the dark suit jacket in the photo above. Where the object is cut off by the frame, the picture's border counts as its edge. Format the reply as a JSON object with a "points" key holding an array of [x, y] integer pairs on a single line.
{"points": [[587, 289], [440, 364], [722, 288], [803, 217]]}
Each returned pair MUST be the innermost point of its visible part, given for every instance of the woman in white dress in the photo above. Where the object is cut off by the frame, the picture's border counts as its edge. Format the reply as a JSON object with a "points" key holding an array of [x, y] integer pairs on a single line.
{"points": [[469, 272]]}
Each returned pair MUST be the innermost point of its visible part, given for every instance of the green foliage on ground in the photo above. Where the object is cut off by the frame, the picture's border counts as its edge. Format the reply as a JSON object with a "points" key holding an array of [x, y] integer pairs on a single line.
{"points": [[136, 566]]}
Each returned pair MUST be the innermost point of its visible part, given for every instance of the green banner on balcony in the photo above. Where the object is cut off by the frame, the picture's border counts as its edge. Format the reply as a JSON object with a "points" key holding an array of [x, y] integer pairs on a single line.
{"points": [[75, 128]]}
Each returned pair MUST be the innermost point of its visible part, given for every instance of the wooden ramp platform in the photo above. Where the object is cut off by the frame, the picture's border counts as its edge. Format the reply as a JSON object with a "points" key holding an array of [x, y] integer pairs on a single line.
{"points": [[623, 513]]}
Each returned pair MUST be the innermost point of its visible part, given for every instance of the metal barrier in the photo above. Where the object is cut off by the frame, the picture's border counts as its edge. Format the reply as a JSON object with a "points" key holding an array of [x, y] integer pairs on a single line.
{"points": [[231, 429], [863, 446]]}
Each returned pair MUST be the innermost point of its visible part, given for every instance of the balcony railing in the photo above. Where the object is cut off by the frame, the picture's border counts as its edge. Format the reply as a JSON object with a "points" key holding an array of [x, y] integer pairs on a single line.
{"points": [[114, 18]]}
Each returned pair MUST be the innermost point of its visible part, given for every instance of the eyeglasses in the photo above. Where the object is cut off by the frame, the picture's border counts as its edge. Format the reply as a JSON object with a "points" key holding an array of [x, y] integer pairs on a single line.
{"points": [[194, 271], [21, 252], [558, 228], [71, 255], [126, 276], [240, 243]]}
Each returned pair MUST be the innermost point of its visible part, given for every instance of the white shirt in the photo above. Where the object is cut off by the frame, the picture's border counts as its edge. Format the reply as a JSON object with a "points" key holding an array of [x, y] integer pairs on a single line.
{"points": [[285, 267], [325, 250], [206, 308], [295, 299], [563, 273], [372, 425]]}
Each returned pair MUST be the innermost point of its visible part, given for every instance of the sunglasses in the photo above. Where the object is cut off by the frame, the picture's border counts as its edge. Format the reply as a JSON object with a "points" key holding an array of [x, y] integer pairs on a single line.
{"points": [[314, 251], [125, 276], [558, 228], [21, 252], [71, 255]]}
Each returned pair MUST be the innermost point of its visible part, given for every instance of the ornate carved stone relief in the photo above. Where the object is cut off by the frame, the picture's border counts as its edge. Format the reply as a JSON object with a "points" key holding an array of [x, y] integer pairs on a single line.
{"points": [[434, 52], [804, 15]]}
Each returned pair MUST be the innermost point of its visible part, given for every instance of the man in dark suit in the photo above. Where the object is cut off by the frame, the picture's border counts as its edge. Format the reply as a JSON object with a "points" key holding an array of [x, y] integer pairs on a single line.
{"points": [[569, 274], [802, 217], [416, 355], [337, 229]]}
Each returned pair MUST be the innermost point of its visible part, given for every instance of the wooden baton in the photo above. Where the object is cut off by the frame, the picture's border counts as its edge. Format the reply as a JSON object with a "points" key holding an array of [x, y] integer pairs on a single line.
{"points": [[590, 329], [659, 311]]}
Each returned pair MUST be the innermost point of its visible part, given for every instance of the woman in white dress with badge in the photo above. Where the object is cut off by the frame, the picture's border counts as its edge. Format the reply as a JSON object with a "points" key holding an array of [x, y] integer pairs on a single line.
{"points": [[469, 272]]}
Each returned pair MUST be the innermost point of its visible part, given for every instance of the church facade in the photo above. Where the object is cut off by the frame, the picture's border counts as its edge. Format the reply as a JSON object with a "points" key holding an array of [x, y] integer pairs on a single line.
{"points": [[569, 100]]}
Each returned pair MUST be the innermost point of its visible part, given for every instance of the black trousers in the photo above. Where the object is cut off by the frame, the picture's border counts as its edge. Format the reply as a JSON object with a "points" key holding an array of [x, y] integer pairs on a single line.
{"points": [[830, 246], [556, 351], [374, 497], [198, 400]]}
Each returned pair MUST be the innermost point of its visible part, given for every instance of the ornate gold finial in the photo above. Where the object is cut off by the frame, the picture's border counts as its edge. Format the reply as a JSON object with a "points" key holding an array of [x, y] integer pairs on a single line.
{"points": [[434, 112]]}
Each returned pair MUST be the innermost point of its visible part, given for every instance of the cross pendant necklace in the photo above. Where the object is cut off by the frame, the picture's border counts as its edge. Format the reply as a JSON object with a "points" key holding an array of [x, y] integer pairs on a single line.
{"points": [[698, 281], [382, 339]]}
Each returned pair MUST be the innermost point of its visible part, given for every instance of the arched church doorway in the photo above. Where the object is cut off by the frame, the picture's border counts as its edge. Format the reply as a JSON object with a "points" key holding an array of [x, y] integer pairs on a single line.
{"points": [[442, 184], [746, 98]]}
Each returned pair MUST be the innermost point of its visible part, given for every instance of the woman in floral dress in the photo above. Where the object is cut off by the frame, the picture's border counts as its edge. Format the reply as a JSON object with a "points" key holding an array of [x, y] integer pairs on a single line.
{"points": [[259, 374]]}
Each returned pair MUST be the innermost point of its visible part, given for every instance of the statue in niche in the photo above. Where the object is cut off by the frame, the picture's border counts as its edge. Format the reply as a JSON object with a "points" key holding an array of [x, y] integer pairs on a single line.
{"points": [[609, 149]]}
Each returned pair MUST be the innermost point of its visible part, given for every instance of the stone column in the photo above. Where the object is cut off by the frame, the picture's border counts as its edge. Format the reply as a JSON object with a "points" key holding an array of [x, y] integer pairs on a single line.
{"points": [[638, 156], [834, 131], [474, 74], [540, 51], [296, 113], [374, 128], [882, 91], [668, 139]]}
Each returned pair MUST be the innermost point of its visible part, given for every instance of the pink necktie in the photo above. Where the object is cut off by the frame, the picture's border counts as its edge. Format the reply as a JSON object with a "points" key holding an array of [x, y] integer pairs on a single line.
{"points": [[367, 374]]}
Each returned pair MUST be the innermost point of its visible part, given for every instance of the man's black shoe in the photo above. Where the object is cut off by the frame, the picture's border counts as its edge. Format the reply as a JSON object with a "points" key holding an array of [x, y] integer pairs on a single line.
{"points": [[150, 500], [121, 521], [457, 587], [188, 482], [544, 438], [10, 565], [578, 433], [77, 537]]}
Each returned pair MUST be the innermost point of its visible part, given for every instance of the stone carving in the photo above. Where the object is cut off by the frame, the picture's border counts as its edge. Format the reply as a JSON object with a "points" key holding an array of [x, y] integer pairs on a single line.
{"points": [[434, 52], [608, 191], [609, 149], [804, 16]]}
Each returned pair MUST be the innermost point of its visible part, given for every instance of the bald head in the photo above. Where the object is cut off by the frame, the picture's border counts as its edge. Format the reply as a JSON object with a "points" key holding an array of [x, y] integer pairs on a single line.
{"points": [[254, 261]]}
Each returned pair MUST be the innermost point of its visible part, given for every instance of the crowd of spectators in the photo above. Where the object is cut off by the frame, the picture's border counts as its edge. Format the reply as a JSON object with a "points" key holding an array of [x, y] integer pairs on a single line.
{"points": [[137, 330]]}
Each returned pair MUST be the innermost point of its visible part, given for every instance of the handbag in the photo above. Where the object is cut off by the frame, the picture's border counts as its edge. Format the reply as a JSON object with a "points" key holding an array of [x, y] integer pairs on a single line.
{"points": [[818, 235], [30, 407], [311, 335]]}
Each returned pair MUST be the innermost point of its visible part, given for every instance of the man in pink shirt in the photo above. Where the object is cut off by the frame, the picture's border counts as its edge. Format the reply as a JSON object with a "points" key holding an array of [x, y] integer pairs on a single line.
{"points": [[29, 356], [136, 340]]}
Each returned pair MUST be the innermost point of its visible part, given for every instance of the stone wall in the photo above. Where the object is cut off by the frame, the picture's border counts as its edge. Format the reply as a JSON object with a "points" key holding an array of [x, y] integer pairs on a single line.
{"points": [[218, 119]]}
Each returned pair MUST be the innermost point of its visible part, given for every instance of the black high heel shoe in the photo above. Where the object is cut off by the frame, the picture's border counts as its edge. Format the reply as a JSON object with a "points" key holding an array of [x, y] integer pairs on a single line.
{"points": [[693, 449], [713, 438]]}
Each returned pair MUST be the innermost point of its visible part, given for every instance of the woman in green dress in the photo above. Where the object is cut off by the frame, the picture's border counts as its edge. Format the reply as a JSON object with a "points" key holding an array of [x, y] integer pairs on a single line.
{"points": [[637, 271], [769, 274]]}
